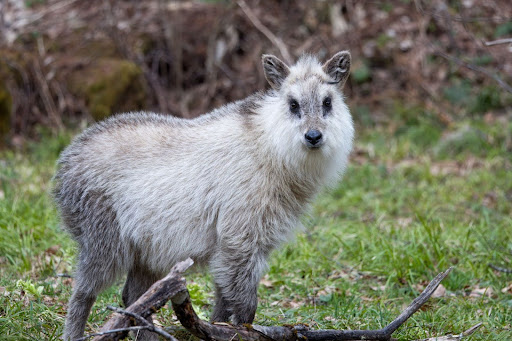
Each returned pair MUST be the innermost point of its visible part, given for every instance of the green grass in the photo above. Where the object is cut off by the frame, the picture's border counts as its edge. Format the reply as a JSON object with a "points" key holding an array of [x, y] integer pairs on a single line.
{"points": [[417, 199]]}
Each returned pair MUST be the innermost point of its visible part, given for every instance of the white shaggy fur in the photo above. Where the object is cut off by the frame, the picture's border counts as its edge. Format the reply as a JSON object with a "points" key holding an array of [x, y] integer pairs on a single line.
{"points": [[141, 191]]}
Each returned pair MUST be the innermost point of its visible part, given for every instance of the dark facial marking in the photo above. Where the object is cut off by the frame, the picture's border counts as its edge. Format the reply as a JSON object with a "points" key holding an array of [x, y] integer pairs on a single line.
{"points": [[294, 107], [327, 105]]}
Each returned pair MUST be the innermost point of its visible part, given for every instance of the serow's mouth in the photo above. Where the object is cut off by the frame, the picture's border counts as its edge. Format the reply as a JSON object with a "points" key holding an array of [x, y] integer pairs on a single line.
{"points": [[315, 146]]}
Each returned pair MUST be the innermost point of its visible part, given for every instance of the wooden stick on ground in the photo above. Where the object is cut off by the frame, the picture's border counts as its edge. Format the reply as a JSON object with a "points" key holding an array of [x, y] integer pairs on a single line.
{"points": [[204, 330], [152, 300], [173, 287]]}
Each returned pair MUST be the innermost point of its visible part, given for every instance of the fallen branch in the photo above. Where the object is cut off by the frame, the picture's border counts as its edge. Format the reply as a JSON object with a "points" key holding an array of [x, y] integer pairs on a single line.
{"points": [[173, 287], [151, 301], [204, 330]]}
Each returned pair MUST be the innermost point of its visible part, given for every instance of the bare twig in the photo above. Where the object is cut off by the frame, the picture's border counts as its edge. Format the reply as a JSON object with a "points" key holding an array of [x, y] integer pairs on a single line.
{"points": [[451, 337], [106, 333], [152, 300], [64, 275], [500, 269], [46, 95], [498, 42], [418, 302], [263, 29], [137, 317], [471, 330], [143, 322], [385, 333], [476, 68]]}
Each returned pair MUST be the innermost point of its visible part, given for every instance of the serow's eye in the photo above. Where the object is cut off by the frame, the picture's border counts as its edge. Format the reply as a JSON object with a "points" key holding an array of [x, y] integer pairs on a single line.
{"points": [[294, 107], [327, 103]]}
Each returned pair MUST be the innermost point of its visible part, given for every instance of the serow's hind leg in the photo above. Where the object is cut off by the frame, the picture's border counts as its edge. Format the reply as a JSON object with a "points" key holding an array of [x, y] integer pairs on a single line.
{"points": [[137, 283], [79, 307], [90, 280]]}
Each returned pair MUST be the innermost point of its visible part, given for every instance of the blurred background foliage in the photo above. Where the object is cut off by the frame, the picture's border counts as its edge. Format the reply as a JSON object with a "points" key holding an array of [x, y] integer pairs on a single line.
{"points": [[65, 62]]}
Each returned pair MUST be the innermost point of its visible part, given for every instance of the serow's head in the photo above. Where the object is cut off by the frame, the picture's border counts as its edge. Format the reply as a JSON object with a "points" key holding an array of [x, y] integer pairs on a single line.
{"points": [[309, 100]]}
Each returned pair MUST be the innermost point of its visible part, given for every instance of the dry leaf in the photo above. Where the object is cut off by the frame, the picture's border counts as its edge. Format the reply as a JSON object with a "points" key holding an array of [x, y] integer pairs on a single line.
{"points": [[440, 291], [266, 282], [366, 298], [53, 249], [322, 293], [404, 222], [157, 323], [479, 292], [378, 288], [506, 289], [291, 304]]}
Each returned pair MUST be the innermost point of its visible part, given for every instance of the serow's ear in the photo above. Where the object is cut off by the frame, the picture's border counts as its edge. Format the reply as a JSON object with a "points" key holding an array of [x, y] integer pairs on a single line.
{"points": [[275, 70], [338, 68]]}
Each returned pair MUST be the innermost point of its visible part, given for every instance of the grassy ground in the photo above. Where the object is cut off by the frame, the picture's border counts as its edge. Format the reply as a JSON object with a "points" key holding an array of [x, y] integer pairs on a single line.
{"points": [[417, 198]]}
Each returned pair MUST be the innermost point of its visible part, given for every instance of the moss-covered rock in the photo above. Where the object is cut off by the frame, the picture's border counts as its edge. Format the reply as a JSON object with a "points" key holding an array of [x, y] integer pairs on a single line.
{"points": [[109, 86]]}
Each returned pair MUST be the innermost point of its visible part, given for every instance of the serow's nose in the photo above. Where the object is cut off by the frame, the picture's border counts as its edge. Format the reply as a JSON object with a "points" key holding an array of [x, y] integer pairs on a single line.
{"points": [[313, 138]]}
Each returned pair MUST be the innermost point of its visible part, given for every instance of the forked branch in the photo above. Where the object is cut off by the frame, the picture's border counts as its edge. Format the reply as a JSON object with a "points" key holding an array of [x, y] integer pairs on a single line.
{"points": [[204, 330], [173, 287], [150, 302]]}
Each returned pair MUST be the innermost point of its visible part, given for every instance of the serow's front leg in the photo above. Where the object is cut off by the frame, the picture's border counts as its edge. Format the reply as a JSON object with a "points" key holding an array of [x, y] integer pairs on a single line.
{"points": [[237, 275], [221, 311]]}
